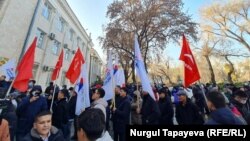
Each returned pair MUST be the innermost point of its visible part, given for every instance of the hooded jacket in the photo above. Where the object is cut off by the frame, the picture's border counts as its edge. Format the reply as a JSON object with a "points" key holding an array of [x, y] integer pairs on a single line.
{"points": [[100, 104], [55, 135], [223, 116]]}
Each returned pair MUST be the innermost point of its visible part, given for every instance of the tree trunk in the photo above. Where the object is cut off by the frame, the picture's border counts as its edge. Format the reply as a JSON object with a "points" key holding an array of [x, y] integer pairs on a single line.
{"points": [[211, 70], [229, 74], [126, 75]]}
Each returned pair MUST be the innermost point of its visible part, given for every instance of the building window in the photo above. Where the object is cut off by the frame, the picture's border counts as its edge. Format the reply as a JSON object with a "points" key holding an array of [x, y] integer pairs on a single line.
{"points": [[34, 70], [60, 24], [71, 33], [63, 80], [67, 53], [78, 41], [40, 38], [56, 47], [48, 78], [47, 10]]}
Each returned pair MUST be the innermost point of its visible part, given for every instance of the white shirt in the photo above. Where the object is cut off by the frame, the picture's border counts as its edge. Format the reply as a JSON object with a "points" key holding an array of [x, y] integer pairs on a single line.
{"points": [[46, 138]]}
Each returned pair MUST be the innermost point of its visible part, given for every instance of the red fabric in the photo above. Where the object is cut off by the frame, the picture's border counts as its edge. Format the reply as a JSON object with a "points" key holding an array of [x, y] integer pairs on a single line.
{"points": [[24, 68], [191, 73], [58, 67], [75, 67]]}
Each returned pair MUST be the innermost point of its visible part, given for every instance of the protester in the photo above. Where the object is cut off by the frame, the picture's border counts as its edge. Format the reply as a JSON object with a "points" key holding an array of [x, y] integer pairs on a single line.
{"points": [[60, 114], [150, 111], [220, 113], [99, 102], [166, 108], [187, 113], [91, 126], [121, 115], [27, 109], [43, 130], [135, 109], [240, 102], [72, 109]]}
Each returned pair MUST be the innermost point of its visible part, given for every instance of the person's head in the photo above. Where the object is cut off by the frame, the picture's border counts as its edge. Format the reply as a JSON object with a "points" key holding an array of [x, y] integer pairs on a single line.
{"points": [[98, 93], [182, 96], [123, 92], [91, 125], [51, 83], [3, 77], [36, 90], [215, 100], [32, 83], [42, 123], [162, 94], [117, 90], [72, 91], [240, 96], [61, 94], [64, 86]]}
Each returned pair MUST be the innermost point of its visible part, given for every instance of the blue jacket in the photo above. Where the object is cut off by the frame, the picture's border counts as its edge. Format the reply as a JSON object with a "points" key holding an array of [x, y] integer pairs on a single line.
{"points": [[27, 111], [223, 116]]}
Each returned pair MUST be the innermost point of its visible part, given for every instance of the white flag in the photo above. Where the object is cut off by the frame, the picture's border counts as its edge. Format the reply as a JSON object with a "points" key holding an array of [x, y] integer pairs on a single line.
{"points": [[82, 89], [119, 78], [9, 69], [108, 81], [141, 72]]}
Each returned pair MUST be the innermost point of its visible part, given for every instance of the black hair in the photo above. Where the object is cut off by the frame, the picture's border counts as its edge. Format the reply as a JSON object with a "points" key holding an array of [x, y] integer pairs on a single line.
{"points": [[71, 88], [101, 92], [43, 113], [217, 99], [92, 122], [240, 93], [124, 89]]}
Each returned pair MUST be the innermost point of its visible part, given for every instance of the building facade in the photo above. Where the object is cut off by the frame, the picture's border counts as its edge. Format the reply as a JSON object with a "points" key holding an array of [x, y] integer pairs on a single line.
{"points": [[96, 64], [55, 26]]}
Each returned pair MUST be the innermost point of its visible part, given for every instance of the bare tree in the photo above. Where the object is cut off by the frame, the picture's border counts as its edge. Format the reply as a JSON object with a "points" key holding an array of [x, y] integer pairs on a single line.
{"points": [[155, 22], [229, 19]]}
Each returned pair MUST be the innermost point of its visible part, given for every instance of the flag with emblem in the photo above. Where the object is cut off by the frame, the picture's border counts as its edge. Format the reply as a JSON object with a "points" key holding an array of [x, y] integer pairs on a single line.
{"points": [[191, 73]]}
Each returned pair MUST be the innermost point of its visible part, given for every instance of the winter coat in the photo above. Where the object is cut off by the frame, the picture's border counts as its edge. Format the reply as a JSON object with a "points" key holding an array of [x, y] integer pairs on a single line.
{"points": [[100, 104], [4, 130], [188, 114], [150, 111], [55, 135], [167, 111], [60, 113], [121, 115], [243, 109], [223, 116], [26, 112], [72, 107], [105, 137], [135, 117]]}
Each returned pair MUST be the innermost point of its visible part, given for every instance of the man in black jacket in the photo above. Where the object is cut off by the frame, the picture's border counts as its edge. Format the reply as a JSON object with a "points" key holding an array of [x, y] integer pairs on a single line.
{"points": [[60, 114], [121, 116], [166, 108], [187, 113], [150, 110]]}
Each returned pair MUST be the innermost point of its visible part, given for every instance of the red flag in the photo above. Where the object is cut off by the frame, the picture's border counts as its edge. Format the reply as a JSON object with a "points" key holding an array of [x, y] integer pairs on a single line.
{"points": [[24, 68], [57, 69], [75, 67], [191, 73]]}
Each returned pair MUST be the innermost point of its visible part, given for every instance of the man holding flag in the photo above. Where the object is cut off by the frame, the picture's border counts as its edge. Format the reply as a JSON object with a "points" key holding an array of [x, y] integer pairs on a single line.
{"points": [[150, 111]]}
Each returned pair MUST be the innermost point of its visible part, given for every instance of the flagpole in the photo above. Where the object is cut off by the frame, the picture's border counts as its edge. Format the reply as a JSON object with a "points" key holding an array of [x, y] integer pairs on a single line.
{"points": [[10, 87], [54, 93], [203, 93]]}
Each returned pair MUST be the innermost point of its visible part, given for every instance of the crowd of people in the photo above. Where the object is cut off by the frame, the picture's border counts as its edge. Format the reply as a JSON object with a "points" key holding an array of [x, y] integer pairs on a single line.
{"points": [[37, 115]]}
